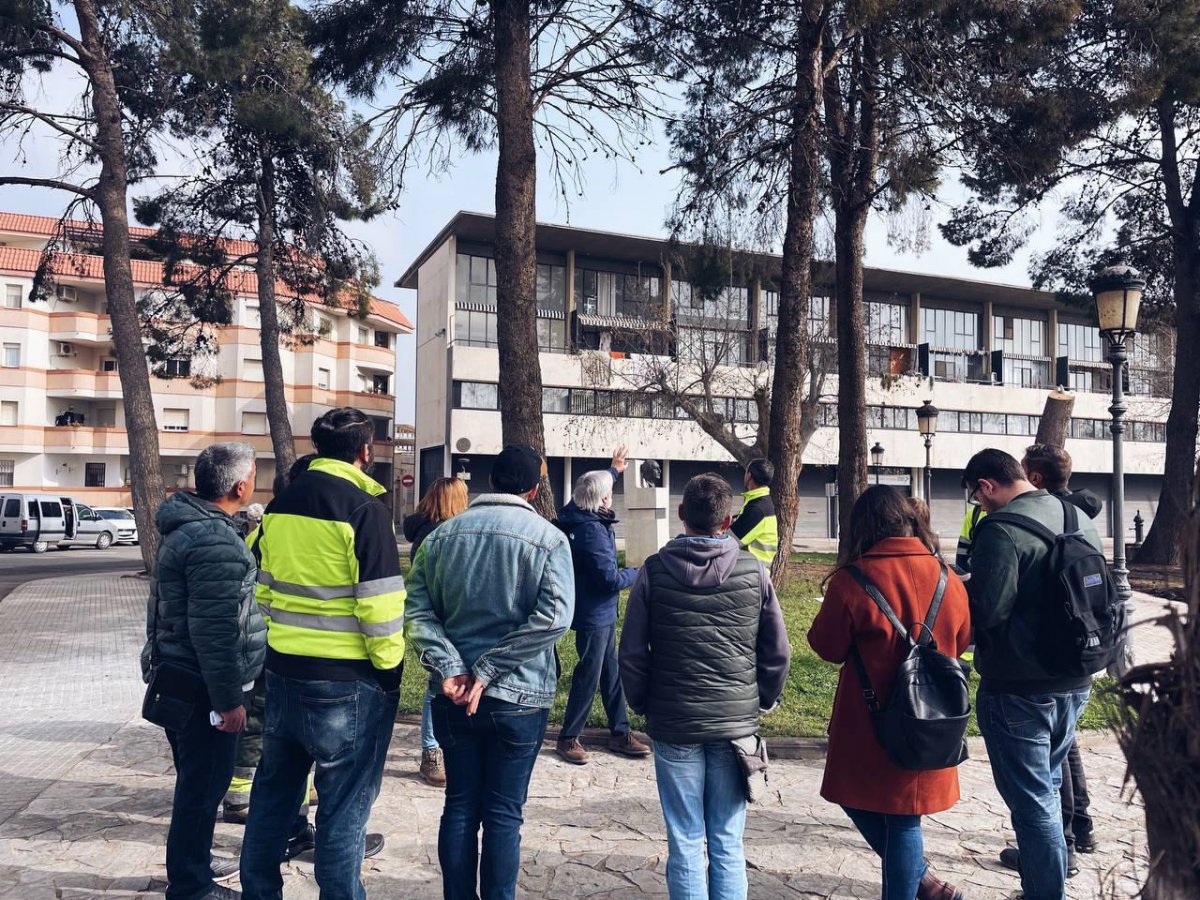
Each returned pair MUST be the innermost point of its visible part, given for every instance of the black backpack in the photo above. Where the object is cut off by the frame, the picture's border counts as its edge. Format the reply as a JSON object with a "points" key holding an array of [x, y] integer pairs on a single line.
{"points": [[1079, 632], [924, 724]]}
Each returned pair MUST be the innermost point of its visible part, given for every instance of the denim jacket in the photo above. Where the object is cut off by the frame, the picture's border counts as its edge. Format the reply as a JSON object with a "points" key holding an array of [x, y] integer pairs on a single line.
{"points": [[490, 593]]}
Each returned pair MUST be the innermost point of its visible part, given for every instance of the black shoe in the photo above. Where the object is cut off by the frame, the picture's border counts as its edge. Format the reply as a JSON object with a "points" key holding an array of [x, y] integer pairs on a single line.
{"points": [[220, 892], [1085, 843], [1010, 858], [301, 841], [374, 845], [223, 868]]}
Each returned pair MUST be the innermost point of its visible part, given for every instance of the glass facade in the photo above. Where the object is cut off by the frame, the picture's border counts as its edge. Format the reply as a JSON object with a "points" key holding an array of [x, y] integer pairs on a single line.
{"points": [[600, 293], [887, 323], [475, 285], [949, 329]]}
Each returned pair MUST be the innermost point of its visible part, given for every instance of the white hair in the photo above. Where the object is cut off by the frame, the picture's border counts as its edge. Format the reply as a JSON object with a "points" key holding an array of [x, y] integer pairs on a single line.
{"points": [[592, 489], [220, 466]]}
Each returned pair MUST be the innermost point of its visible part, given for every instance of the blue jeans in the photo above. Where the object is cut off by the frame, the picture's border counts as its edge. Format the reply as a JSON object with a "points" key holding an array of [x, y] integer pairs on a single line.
{"points": [[428, 741], [489, 760], [203, 766], [1027, 739], [597, 667], [700, 789], [344, 727], [900, 846]]}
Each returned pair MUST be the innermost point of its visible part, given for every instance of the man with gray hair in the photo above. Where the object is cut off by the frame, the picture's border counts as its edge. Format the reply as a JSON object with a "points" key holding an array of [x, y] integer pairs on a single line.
{"points": [[588, 522], [204, 627]]}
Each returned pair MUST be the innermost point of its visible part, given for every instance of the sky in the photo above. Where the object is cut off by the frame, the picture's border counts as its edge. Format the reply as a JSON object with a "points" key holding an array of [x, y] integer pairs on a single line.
{"points": [[617, 196]]}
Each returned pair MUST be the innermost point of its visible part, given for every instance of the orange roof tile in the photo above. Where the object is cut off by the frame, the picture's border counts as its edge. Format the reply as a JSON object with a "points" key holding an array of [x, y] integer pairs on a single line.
{"points": [[48, 226], [147, 272]]}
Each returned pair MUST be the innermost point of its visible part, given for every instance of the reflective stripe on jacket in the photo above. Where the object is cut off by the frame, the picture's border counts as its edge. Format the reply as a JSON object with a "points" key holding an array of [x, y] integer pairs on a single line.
{"points": [[329, 579], [756, 527]]}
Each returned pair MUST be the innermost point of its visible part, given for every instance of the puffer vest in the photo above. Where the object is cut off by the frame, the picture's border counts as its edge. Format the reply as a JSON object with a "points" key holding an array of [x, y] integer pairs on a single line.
{"points": [[704, 670]]}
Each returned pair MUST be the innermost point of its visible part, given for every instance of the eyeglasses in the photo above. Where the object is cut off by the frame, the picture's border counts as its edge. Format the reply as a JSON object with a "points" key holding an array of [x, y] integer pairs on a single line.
{"points": [[974, 495]]}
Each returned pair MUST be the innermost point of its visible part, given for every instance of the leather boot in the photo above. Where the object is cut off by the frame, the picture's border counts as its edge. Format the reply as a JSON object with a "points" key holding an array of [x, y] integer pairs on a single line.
{"points": [[933, 888]]}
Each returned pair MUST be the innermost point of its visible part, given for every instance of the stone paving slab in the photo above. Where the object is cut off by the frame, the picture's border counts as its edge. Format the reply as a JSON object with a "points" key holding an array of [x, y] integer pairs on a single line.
{"points": [[88, 790]]}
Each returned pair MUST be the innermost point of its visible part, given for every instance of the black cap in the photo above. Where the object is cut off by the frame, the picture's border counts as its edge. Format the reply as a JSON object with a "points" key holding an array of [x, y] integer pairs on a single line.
{"points": [[517, 469]]}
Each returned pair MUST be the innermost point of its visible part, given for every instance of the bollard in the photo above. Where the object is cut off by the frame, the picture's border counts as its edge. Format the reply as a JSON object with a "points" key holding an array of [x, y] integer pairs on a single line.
{"points": [[1139, 525]]}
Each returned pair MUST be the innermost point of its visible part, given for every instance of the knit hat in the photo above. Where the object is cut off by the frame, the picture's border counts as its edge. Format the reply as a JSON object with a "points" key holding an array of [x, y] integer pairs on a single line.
{"points": [[517, 469]]}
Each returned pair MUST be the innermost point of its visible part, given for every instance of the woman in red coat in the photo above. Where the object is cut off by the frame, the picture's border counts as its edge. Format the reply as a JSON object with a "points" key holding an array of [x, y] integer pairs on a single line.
{"points": [[891, 546]]}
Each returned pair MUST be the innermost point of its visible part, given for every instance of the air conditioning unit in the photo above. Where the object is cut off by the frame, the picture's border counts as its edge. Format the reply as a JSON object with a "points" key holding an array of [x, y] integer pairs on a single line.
{"points": [[184, 469], [66, 293], [65, 349]]}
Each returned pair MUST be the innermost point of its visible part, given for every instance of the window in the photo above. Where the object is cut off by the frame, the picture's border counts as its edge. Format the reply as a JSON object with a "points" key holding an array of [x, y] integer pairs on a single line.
{"points": [[175, 419], [951, 329], [887, 324], [475, 395], [383, 339], [552, 335], [818, 317], [254, 423], [8, 469], [617, 294], [253, 316], [12, 356], [177, 368], [475, 280], [770, 303], [8, 412], [1080, 342], [93, 474], [1015, 334], [108, 365], [12, 296], [323, 379], [106, 417], [364, 335], [551, 287], [253, 369], [12, 507], [556, 400], [473, 328], [379, 384], [51, 509]]}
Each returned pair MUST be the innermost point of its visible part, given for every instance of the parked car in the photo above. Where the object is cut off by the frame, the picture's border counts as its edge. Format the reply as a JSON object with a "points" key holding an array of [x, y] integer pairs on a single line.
{"points": [[127, 532], [42, 521]]}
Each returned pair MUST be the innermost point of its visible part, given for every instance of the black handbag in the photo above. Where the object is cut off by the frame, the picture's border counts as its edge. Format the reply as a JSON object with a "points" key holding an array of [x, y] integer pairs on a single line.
{"points": [[923, 726], [172, 691]]}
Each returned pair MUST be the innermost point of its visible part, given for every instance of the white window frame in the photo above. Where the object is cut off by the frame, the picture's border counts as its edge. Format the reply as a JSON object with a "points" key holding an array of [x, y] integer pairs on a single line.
{"points": [[5, 407], [4, 356], [187, 419], [246, 421], [324, 378], [13, 292]]}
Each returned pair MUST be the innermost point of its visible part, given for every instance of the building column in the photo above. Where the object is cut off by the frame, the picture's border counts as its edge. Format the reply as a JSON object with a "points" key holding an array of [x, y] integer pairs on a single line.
{"points": [[569, 300], [568, 479], [914, 318]]}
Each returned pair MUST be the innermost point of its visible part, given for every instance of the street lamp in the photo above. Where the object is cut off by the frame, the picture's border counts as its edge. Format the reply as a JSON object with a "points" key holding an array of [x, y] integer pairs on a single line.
{"points": [[877, 459], [1118, 293], [927, 426]]}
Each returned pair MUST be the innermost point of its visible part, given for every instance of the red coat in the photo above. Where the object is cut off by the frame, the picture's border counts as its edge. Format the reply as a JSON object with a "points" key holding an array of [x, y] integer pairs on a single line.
{"points": [[858, 773]]}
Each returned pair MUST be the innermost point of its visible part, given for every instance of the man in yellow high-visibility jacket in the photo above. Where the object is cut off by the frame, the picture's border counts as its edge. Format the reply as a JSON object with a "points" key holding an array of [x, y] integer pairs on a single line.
{"points": [[330, 587], [756, 527]]}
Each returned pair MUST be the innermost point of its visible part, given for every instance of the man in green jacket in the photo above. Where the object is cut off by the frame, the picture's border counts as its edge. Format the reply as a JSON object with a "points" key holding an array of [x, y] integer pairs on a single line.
{"points": [[756, 527], [202, 617], [1026, 713]]}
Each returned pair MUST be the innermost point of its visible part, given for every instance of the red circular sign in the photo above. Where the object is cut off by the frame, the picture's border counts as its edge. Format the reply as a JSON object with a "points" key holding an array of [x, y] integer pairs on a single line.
{"points": [[407, 480]]}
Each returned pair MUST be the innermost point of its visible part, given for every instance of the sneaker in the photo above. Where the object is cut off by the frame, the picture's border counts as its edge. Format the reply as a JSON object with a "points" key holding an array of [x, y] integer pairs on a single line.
{"points": [[235, 813], [220, 892], [572, 751], [374, 845], [627, 745], [1010, 858], [224, 868], [933, 888], [301, 841], [432, 769]]}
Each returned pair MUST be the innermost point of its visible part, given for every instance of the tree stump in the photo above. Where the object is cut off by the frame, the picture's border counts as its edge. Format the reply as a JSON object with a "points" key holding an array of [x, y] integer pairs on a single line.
{"points": [[1055, 426]]}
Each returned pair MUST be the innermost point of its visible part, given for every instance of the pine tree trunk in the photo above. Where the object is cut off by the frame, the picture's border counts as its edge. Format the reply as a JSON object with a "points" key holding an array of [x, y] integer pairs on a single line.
{"points": [[795, 290], [278, 419], [1163, 542], [851, 221], [1055, 425], [520, 381], [112, 199]]}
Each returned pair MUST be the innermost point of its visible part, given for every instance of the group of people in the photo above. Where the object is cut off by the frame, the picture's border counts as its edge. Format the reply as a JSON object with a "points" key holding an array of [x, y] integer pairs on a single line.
{"points": [[305, 620]]}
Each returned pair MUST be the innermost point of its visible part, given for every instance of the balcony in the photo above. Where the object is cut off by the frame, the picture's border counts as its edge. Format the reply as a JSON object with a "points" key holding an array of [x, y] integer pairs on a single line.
{"points": [[81, 327], [83, 383]]}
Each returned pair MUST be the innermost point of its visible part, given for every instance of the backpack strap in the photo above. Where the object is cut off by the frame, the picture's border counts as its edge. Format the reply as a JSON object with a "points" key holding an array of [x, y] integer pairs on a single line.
{"points": [[873, 592], [935, 605], [1027, 523]]}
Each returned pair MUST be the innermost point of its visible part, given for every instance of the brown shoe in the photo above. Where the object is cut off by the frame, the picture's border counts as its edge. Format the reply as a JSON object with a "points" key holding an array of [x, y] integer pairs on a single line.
{"points": [[432, 769], [627, 745], [572, 751], [933, 888]]}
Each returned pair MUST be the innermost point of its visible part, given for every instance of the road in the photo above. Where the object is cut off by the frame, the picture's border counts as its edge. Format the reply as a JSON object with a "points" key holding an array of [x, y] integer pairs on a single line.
{"points": [[21, 566]]}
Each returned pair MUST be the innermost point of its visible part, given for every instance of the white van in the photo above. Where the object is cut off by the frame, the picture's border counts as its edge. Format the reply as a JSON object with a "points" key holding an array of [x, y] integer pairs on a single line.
{"points": [[42, 521]]}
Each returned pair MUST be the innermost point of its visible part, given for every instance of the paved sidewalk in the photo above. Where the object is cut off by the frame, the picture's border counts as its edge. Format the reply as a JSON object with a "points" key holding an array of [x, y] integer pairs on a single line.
{"points": [[85, 792]]}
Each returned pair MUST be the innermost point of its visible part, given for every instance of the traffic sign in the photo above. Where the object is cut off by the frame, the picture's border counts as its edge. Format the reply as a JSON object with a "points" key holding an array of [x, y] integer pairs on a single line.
{"points": [[407, 480]]}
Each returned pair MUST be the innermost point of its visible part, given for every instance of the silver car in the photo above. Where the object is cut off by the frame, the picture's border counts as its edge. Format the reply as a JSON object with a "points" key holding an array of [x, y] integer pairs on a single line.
{"points": [[127, 532]]}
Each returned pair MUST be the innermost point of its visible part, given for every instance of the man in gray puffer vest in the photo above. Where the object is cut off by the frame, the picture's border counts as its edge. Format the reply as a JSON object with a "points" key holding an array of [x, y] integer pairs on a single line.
{"points": [[202, 616], [704, 652]]}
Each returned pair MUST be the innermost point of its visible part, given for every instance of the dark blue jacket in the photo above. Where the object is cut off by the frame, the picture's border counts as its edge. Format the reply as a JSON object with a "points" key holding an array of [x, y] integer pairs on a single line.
{"points": [[598, 579]]}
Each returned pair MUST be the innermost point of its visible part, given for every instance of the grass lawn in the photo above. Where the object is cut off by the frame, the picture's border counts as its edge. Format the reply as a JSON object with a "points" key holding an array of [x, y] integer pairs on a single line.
{"points": [[808, 698]]}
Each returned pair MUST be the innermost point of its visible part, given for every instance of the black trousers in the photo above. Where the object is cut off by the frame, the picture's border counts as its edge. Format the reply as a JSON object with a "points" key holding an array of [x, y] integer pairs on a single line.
{"points": [[1077, 823], [203, 766]]}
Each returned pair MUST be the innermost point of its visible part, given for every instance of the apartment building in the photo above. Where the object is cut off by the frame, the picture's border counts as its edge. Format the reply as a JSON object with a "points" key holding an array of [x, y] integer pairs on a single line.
{"points": [[62, 424], [612, 312]]}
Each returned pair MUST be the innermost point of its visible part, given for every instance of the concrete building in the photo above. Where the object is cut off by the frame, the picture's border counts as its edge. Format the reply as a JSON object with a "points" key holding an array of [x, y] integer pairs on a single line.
{"points": [[62, 424], [612, 312]]}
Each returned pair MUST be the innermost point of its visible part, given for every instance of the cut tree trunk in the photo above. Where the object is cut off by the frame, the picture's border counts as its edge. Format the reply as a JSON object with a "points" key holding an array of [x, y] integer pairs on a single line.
{"points": [[111, 197], [278, 419], [791, 343], [520, 381], [1055, 426]]}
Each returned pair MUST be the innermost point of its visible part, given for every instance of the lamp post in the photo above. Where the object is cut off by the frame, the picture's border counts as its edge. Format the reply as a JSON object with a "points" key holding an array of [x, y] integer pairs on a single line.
{"points": [[877, 459], [927, 426], [1117, 290]]}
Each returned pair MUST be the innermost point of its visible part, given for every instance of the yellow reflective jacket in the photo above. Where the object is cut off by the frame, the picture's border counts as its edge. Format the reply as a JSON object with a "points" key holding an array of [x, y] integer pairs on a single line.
{"points": [[756, 527], [966, 538], [329, 581]]}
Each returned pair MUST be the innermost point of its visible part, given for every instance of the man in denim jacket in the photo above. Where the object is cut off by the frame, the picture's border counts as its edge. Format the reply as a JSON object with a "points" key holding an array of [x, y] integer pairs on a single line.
{"points": [[490, 593]]}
